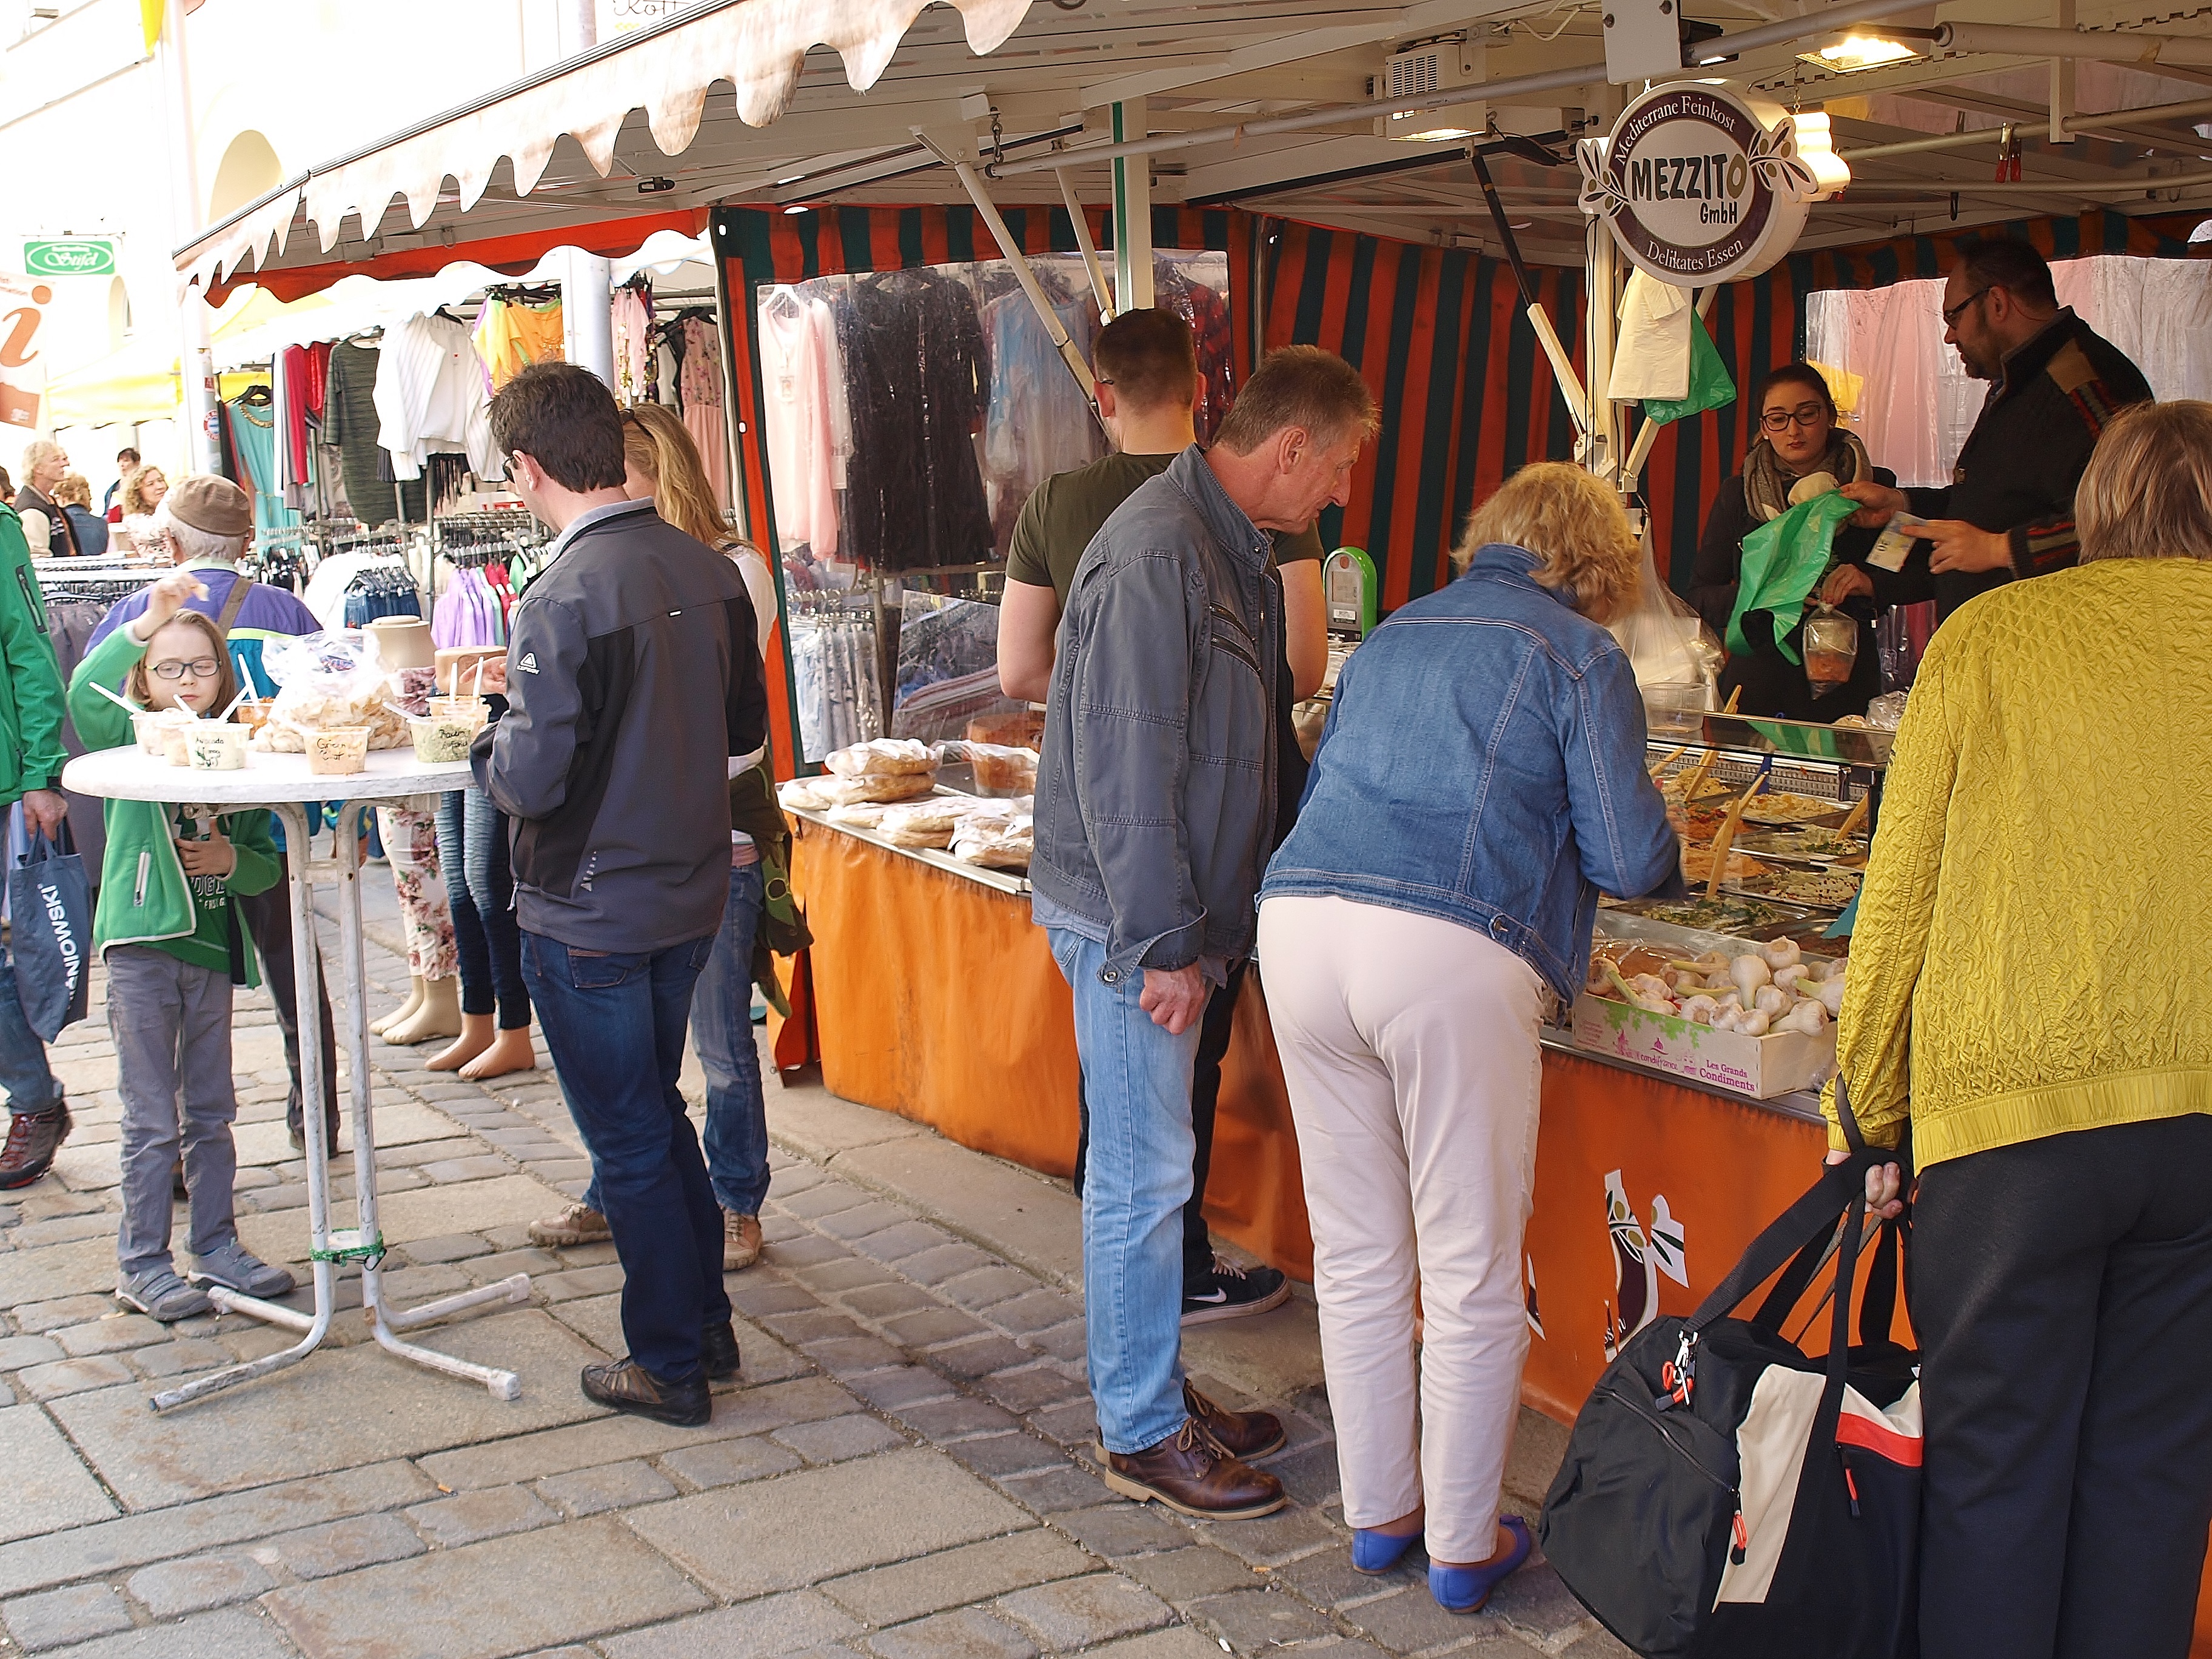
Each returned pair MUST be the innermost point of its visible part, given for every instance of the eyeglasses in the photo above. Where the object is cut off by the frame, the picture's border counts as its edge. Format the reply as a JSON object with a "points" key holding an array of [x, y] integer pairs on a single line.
{"points": [[200, 668], [1776, 420], [1951, 314]]}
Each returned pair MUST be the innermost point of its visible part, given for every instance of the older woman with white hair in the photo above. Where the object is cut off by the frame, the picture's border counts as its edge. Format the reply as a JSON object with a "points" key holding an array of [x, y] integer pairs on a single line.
{"points": [[47, 528], [1479, 782]]}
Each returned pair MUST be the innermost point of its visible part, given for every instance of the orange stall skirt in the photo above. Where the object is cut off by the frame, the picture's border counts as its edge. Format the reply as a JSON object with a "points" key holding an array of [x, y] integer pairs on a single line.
{"points": [[934, 997]]}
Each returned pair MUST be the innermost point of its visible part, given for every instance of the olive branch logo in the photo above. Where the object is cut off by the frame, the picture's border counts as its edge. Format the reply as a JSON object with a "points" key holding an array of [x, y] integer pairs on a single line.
{"points": [[1775, 163], [1600, 196]]}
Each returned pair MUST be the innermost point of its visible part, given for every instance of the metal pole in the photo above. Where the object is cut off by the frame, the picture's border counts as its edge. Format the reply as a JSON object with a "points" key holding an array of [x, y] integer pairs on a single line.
{"points": [[587, 284], [2078, 125], [1133, 217], [1090, 261], [195, 355], [1562, 369]]}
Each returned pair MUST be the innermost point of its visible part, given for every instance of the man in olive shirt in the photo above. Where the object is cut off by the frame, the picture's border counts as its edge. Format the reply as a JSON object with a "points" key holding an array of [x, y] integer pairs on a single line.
{"points": [[1147, 378]]}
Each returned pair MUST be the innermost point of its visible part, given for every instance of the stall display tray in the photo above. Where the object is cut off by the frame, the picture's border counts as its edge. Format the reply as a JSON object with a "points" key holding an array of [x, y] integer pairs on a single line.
{"points": [[1758, 1067], [1827, 891], [1818, 848]]}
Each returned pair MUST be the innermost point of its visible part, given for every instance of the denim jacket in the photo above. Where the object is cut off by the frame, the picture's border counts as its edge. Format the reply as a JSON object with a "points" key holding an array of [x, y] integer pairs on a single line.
{"points": [[1156, 790], [1483, 763]]}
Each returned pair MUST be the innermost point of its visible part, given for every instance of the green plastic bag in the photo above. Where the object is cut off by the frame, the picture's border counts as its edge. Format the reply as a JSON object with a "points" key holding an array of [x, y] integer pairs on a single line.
{"points": [[1781, 561], [1709, 385]]}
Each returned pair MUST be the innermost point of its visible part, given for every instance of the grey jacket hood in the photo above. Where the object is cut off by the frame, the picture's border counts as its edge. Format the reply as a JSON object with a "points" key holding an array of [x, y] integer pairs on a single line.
{"points": [[1156, 787]]}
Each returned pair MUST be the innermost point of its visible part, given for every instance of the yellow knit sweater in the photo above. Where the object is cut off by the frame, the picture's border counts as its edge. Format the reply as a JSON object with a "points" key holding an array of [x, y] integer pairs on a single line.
{"points": [[2033, 949]]}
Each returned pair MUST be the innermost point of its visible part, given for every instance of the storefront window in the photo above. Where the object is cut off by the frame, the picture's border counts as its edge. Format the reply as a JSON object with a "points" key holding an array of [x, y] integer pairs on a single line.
{"points": [[907, 418]]}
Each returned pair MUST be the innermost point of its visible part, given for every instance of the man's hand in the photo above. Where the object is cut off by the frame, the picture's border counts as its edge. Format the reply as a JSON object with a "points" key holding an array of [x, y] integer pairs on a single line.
{"points": [[1879, 504], [1175, 998], [487, 678], [44, 810], [163, 600], [215, 856], [1843, 581], [1884, 1189], [1962, 546]]}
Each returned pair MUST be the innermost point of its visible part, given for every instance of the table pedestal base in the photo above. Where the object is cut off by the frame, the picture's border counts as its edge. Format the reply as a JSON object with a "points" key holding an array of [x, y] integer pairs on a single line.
{"points": [[366, 1243]]}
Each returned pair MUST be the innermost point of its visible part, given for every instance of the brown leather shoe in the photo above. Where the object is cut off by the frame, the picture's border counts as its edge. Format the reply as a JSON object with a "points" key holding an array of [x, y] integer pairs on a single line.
{"points": [[1192, 1474], [741, 1241], [1243, 1435], [628, 1387]]}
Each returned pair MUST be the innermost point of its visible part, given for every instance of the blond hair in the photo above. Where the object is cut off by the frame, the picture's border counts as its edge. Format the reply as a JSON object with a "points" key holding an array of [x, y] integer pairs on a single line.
{"points": [[2146, 492], [1574, 526], [655, 442], [1302, 387], [133, 493], [73, 489]]}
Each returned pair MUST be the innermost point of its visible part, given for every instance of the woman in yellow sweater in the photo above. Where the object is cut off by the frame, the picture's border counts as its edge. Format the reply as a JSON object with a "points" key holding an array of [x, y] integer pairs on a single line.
{"points": [[2029, 985]]}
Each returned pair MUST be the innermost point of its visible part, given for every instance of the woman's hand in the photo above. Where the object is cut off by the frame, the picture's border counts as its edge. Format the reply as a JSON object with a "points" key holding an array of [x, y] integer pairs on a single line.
{"points": [[1845, 582], [1885, 1188], [215, 856], [163, 600]]}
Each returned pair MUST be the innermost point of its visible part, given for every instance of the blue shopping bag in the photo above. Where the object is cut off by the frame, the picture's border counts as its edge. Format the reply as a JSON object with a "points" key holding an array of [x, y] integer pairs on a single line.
{"points": [[50, 916]]}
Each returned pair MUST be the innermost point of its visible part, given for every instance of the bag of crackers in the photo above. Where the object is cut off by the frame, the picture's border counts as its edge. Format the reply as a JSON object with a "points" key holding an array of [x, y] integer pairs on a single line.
{"points": [[328, 681]]}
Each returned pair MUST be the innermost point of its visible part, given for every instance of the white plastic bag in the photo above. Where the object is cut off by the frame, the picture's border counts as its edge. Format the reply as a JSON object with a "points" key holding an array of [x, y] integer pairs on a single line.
{"points": [[326, 681], [1676, 659]]}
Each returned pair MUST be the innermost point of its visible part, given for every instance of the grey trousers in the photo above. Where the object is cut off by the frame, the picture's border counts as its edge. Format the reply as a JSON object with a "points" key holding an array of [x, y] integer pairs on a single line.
{"points": [[171, 1024]]}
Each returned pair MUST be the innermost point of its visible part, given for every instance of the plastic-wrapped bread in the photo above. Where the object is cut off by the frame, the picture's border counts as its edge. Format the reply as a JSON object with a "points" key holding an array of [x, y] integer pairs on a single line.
{"points": [[884, 757], [858, 815], [845, 791], [803, 795], [1003, 771], [920, 823], [995, 843]]}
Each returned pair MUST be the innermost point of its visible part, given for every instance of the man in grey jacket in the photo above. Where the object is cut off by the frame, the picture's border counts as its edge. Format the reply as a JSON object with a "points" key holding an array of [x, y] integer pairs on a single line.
{"points": [[1155, 793], [633, 685]]}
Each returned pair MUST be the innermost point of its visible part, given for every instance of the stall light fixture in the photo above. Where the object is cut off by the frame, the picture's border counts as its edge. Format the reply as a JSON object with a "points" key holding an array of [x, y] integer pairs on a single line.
{"points": [[1436, 134], [1854, 52], [800, 207]]}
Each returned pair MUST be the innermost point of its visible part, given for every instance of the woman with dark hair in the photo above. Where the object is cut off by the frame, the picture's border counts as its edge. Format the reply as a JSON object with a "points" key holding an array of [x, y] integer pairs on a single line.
{"points": [[1797, 437]]}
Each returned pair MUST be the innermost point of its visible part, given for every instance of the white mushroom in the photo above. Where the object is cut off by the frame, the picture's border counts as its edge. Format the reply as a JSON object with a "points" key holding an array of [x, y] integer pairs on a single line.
{"points": [[1829, 994], [1791, 978], [1809, 1018], [1771, 1000], [1754, 1023], [1651, 985], [1749, 973], [1781, 952], [1700, 1010]]}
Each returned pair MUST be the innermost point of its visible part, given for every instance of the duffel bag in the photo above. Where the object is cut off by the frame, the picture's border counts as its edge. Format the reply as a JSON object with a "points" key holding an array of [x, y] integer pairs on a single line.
{"points": [[1725, 1497]]}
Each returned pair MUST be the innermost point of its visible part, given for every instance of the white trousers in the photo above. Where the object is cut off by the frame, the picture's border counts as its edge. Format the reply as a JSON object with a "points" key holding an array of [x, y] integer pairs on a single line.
{"points": [[1409, 1044]]}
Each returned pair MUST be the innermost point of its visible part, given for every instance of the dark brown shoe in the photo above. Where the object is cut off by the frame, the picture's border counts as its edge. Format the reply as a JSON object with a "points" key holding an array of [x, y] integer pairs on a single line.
{"points": [[718, 1352], [1192, 1474], [34, 1138], [628, 1387], [1245, 1435]]}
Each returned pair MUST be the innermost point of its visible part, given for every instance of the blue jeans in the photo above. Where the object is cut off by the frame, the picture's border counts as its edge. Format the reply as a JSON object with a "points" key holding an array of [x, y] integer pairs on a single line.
{"points": [[722, 1031], [24, 1073], [614, 1024], [472, 852], [1136, 1079]]}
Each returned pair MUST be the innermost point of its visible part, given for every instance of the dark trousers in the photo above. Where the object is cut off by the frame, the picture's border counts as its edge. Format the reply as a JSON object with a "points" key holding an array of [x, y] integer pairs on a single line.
{"points": [[2062, 1290], [1220, 1018], [615, 1026], [472, 851], [269, 919]]}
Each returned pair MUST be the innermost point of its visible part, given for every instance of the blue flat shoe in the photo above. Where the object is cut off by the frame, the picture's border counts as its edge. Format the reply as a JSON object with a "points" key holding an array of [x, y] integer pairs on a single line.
{"points": [[1379, 1552], [1464, 1589]]}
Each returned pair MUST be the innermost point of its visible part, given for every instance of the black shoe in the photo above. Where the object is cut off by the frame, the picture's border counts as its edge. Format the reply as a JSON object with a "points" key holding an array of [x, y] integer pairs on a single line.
{"points": [[34, 1138], [1230, 1292], [628, 1387], [718, 1352]]}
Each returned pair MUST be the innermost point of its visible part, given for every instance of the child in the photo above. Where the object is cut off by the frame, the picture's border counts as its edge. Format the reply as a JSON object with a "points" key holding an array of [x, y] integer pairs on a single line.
{"points": [[169, 931]]}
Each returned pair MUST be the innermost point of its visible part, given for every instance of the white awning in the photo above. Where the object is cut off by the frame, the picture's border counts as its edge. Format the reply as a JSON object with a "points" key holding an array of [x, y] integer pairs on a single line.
{"points": [[758, 46]]}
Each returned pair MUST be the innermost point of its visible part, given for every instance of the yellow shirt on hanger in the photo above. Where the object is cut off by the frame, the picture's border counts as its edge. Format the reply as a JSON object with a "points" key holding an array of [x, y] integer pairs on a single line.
{"points": [[509, 338]]}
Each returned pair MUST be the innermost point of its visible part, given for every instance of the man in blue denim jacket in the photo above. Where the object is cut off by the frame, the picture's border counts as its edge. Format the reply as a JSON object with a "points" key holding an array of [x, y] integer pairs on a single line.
{"points": [[1155, 793]]}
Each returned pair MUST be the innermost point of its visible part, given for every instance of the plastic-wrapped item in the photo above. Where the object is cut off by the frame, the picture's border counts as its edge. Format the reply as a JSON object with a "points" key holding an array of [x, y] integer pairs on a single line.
{"points": [[1884, 712], [1000, 769], [803, 795], [1832, 648], [858, 815], [328, 681], [883, 787], [884, 757], [1676, 660], [920, 823], [994, 843]]}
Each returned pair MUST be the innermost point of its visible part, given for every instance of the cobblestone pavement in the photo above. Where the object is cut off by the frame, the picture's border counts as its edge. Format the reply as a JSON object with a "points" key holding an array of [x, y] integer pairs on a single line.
{"points": [[900, 1472]]}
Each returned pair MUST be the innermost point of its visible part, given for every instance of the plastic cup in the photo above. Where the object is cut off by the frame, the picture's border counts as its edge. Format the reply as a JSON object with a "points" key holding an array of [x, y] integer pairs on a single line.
{"points": [[177, 742], [253, 713], [338, 751], [440, 739], [217, 745], [146, 726]]}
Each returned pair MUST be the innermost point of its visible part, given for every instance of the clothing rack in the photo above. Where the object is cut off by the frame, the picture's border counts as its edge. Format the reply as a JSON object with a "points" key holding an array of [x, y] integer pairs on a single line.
{"points": [[493, 529]]}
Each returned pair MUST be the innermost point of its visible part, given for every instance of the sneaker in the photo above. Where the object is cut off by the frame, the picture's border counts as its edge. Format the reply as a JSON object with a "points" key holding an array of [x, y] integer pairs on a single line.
{"points": [[1230, 1292], [741, 1241], [628, 1387], [34, 1138], [237, 1268], [580, 1223], [159, 1292]]}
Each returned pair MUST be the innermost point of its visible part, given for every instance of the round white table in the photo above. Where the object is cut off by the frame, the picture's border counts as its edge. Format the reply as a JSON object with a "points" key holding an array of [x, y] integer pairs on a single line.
{"points": [[283, 785]]}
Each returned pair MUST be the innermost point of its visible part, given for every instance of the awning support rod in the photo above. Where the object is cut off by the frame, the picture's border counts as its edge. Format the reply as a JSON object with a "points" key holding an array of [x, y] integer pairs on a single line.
{"points": [[2078, 123], [1091, 263], [1052, 326], [1563, 370]]}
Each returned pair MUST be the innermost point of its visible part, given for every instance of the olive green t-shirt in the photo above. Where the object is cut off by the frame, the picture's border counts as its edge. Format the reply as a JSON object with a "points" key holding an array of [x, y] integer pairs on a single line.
{"points": [[1066, 511]]}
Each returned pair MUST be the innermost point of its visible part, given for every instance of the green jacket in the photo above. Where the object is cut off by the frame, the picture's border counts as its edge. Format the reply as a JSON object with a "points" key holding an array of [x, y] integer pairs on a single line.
{"points": [[144, 894], [31, 752]]}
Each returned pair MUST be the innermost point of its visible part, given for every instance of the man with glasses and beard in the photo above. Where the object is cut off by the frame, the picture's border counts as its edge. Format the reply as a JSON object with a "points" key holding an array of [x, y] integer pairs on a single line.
{"points": [[2008, 513]]}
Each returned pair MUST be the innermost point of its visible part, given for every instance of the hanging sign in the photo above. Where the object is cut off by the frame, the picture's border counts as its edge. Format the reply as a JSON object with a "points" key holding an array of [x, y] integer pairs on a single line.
{"points": [[22, 369], [1700, 184], [74, 255]]}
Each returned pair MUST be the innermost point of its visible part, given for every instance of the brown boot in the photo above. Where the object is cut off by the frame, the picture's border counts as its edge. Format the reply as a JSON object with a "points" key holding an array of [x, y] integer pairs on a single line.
{"points": [[1192, 1474], [34, 1138], [741, 1241], [1240, 1434]]}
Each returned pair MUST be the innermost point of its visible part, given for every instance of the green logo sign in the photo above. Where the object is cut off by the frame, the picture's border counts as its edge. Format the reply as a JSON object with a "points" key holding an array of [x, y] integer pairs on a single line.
{"points": [[79, 256]]}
